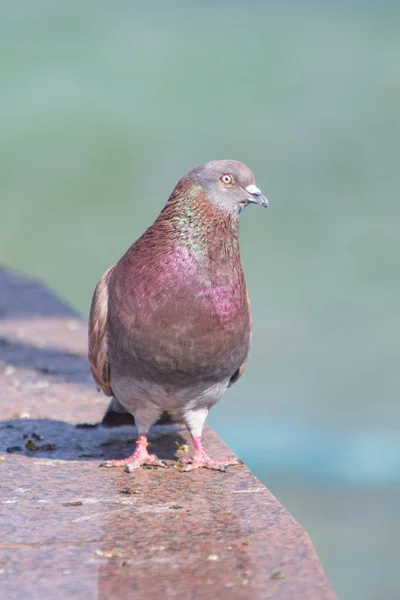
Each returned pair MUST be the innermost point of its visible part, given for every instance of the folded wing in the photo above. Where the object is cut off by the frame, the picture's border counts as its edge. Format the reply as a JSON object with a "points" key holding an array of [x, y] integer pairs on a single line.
{"points": [[98, 347], [237, 375]]}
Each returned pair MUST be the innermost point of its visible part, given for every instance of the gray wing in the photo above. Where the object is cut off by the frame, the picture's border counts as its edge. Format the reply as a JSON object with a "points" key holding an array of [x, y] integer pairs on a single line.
{"points": [[98, 347]]}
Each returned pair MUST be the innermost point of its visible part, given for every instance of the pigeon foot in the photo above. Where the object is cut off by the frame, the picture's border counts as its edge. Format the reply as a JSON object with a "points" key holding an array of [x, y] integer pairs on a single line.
{"points": [[139, 458], [201, 459]]}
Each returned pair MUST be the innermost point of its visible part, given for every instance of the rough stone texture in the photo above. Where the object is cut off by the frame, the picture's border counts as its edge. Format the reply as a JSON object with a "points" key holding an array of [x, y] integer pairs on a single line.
{"points": [[68, 530]]}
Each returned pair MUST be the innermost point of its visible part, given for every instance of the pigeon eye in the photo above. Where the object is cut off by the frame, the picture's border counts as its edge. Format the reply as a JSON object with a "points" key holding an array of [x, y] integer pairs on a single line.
{"points": [[227, 179]]}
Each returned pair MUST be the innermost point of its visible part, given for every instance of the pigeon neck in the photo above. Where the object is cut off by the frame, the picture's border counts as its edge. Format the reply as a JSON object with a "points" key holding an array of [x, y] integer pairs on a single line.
{"points": [[203, 228]]}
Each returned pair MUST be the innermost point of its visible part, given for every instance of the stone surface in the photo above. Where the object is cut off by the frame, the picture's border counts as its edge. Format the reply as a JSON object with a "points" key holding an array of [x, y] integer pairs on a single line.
{"points": [[70, 529]]}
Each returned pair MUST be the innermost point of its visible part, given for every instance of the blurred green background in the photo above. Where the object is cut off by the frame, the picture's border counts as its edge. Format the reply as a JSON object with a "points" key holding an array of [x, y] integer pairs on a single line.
{"points": [[104, 106]]}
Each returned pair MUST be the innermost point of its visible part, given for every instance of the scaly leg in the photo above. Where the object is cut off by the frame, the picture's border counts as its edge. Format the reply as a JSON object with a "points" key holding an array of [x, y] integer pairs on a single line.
{"points": [[195, 420], [144, 419], [139, 457], [201, 459]]}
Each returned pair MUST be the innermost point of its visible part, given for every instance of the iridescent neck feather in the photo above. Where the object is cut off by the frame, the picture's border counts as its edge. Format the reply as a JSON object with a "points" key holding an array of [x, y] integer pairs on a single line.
{"points": [[199, 225]]}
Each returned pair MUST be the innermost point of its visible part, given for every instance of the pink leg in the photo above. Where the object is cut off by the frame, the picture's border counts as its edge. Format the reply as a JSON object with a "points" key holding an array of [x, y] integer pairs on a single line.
{"points": [[201, 458], [139, 457]]}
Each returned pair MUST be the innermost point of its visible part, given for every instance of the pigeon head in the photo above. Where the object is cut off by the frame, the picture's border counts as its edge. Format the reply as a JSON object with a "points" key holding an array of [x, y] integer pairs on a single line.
{"points": [[228, 184]]}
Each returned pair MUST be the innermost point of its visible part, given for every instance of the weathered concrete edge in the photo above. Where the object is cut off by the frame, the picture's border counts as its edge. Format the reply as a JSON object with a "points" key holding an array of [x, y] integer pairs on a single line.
{"points": [[43, 343]]}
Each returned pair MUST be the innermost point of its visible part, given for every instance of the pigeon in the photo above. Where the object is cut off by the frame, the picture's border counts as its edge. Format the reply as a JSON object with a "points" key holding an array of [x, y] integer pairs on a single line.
{"points": [[170, 323]]}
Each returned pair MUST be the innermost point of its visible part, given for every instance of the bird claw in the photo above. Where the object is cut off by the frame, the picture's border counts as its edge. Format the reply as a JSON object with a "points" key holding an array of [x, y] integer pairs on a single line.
{"points": [[138, 459], [193, 466], [148, 463], [208, 463]]}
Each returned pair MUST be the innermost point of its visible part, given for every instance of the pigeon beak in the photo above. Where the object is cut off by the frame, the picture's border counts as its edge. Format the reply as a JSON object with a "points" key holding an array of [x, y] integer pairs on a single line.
{"points": [[256, 196]]}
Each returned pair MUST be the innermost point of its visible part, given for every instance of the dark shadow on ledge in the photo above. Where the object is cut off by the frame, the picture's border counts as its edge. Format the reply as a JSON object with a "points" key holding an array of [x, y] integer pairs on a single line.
{"points": [[52, 362], [51, 439], [55, 366], [23, 297]]}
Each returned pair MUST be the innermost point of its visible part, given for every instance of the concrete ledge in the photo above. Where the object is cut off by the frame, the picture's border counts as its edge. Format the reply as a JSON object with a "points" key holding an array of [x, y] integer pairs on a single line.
{"points": [[70, 530]]}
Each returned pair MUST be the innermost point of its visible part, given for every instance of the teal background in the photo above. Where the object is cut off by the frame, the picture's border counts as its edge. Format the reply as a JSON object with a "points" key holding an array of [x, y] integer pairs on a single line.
{"points": [[104, 106]]}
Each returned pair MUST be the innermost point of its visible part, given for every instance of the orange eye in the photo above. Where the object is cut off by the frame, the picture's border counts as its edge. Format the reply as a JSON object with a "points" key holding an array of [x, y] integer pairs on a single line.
{"points": [[227, 179]]}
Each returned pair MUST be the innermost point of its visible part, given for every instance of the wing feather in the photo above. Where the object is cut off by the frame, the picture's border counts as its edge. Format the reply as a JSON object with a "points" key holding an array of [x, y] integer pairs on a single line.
{"points": [[98, 347], [237, 375]]}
